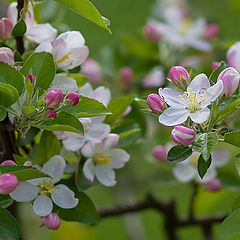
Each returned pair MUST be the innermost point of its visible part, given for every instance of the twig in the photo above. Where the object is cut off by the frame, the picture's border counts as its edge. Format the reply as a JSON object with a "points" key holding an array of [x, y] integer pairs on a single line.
{"points": [[19, 39]]}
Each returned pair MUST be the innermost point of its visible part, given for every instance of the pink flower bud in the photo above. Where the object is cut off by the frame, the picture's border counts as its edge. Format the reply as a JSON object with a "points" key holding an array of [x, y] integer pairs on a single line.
{"points": [[215, 65], [31, 77], [54, 97], [8, 162], [213, 185], [155, 102], [126, 75], [72, 98], [151, 32], [7, 56], [52, 221], [128, 110], [51, 113], [6, 27], [182, 135], [179, 76], [211, 31], [8, 183], [230, 78], [160, 153], [91, 69], [233, 56]]}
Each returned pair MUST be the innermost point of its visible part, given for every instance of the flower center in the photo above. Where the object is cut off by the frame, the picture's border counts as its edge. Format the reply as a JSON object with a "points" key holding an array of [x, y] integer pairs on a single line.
{"points": [[46, 186], [184, 26], [64, 58], [194, 159], [101, 158], [193, 100]]}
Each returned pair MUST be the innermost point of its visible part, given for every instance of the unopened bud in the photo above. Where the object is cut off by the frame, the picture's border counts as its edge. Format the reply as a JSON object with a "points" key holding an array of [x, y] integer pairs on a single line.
{"points": [[160, 153], [6, 27], [182, 135], [54, 97], [8, 183], [126, 75], [72, 99], [151, 32], [51, 114], [6, 55], [179, 76], [211, 32], [215, 65], [91, 69], [233, 56], [8, 162], [155, 102], [31, 77], [213, 185], [52, 221]]}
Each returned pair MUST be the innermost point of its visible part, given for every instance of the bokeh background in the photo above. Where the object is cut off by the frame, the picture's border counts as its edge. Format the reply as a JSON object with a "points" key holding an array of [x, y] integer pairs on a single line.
{"points": [[142, 174]]}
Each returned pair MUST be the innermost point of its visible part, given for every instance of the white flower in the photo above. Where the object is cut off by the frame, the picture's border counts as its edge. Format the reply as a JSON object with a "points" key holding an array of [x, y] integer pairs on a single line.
{"points": [[102, 159], [187, 170], [44, 191], [68, 49], [192, 103], [35, 32]]}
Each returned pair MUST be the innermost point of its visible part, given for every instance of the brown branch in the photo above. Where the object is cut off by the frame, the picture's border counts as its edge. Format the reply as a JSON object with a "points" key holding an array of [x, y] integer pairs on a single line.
{"points": [[19, 39]]}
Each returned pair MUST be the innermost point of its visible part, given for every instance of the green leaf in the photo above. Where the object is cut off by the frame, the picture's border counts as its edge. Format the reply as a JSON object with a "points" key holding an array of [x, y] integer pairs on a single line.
{"points": [[229, 109], [230, 228], [63, 122], [213, 77], [233, 138], [5, 201], [179, 153], [42, 66], [84, 212], [87, 107], [29, 137], [12, 76], [10, 228], [213, 116], [87, 10], [117, 107], [8, 95], [204, 143], [128, 137], [20, 28], [19, 159], [3, 113], [48, 147], [203, 165], [236, 203], [23, 173]]}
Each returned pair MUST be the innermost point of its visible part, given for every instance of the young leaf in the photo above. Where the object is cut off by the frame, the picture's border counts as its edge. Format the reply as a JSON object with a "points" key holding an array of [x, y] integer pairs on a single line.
{"points": [[32, 132], [3, 113], [10, 228], [8, 95], [213, 77], [5, 201], [232, 107], [20, 28], [42, 67], [236, 203], [179, 153], [48, 147], [87, 10], [233, 138], [203, 165]]}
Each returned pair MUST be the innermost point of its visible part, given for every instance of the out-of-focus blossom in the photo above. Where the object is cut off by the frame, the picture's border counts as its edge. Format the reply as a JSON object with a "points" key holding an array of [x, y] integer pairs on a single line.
{"points": [[230, 78], [154, 79], [160, 153], [151, 32], [6, 27], [6, 55], [179, 76], [51, 113], [126, 75], [182, 135], [102, 159], [213, 185], [40, 189], [192, 103], [186, 170], [35, 32], [155, 102], [128, 110], [68, 50], [8, 162], [215, 65], [72, 98], [211, 31], [8, 183], [91, 69], [233, 56], [52, 221]]}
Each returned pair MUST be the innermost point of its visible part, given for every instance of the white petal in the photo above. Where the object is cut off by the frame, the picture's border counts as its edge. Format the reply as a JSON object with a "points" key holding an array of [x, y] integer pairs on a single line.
{"points": [[210, 175], [64, 83], [200, 116], [42, 205], [64, 197], [105, 175], [220, 157], [55, 167], [73, 38], [44, 47], [199, 44], [173, 116], [40, 33], [198, 83], [89, 170], [102, 94], [86, 90], [24, 192], [109, 142], [88, 149], [118, 158], [97, 131], [171, 97], [184, 173], [73, 144]]}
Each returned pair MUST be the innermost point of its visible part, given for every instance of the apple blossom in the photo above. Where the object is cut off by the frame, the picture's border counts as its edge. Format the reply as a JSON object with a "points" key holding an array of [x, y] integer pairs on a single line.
{"points": [[155, 102], [51, 113], [213, 185], [91, 69], [52, 221], [6, 55], [150, 30], [192, 103], [126, 75], [154, 79], [233, 56], [44, 191], [215, 65], [102, 158], [182, 135], [68, 49], [5, 28], [211, 31], [8, 162], [72, 98], [160, 153], [179, 76], [53, 98], [8, 183], [230, 78]]}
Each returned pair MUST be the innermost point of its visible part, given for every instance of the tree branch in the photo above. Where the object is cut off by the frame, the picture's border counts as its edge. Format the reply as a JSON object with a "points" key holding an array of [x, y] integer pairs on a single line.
{"points": [[19, 39]]}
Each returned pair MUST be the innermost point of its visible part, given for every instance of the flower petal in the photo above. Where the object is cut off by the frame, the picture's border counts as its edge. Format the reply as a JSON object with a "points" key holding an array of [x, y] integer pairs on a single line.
{"points": [[184, 173], [89, 170], [105, 175], [199, 83], [109, 142], [220, 157], [173, 116], [97, 131], [118, 158], [171, 97], [64, 197], [88, 149], [200, 116], [42, 205], [102, 95], [44, 47], [64, 83], [73, 144], [86, 90], [24, 192], [55, 167]]}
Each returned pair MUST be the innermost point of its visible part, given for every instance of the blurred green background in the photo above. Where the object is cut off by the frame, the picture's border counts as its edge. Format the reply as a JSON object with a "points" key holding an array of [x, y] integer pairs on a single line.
{"points": [[141, 174]]}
